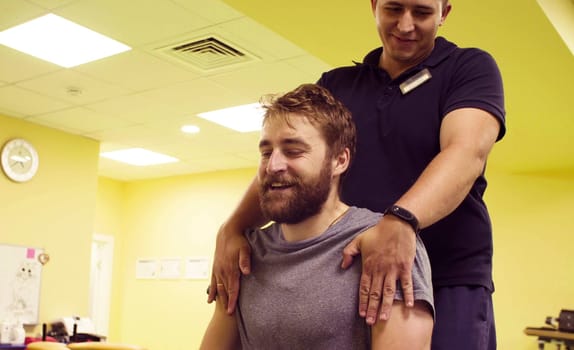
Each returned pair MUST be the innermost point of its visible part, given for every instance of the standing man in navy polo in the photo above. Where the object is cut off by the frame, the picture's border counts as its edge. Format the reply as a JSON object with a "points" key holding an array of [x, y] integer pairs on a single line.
{"points": [[427, 114]]}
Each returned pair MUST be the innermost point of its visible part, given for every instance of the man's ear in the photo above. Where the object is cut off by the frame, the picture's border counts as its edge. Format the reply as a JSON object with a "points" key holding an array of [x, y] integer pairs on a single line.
{"points": [[342, 161], [445, 12], [373, 5]]}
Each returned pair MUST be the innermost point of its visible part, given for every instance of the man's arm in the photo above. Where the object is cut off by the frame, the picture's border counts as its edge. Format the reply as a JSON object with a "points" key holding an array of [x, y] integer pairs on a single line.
{"points": [[466, 138], [467, 135], [409, 329], [222, 332], [232, 251]]}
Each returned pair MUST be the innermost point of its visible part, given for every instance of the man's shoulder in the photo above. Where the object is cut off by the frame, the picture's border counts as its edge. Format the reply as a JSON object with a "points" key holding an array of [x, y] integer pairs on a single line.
{"points": [[364, 211], [446, 49], [363, 216], [340, 79], [350, 71], [344, 71]]}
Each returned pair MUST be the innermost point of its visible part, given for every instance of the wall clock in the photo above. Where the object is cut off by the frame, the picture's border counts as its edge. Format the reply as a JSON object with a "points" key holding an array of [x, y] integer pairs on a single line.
{"points": [[19, 160]]}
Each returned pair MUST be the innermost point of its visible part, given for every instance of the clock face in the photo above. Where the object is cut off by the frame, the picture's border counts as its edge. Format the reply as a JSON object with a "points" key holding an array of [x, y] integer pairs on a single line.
{"points": [[19, 160]]}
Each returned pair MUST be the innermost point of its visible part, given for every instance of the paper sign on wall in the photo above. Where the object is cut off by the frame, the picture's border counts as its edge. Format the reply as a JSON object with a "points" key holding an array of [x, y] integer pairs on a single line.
{"points": [[197, 268], [170, 268], [146, 269]]}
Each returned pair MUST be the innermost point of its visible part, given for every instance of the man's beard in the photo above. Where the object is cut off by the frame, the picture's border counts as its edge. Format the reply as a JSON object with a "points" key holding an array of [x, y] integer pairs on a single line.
{"points": [[304, 200]]}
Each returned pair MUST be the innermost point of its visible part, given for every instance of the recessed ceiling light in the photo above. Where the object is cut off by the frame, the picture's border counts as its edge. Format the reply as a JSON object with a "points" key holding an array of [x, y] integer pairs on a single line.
{"points": [[60, 41], [243, 118], [190, 129], [138, 156]]}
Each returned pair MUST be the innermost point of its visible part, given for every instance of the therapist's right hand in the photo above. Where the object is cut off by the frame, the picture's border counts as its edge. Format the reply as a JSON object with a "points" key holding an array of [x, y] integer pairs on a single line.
{"points": [[232, 257]]}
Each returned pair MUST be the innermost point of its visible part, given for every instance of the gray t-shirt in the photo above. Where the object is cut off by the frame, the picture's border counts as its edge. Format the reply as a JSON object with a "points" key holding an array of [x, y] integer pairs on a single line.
{"points": [[298, 297]]}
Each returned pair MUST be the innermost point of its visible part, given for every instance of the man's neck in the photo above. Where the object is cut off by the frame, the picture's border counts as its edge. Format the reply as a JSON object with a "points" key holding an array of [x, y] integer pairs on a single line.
{"points": [[395, 68], [332, 212]]}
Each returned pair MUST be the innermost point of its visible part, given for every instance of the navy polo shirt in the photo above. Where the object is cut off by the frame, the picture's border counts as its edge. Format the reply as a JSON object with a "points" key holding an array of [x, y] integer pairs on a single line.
{"points": [[398, 136]]}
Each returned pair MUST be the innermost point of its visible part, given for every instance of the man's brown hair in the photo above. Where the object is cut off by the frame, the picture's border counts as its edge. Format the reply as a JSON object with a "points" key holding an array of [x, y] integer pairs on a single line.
{"points": [[327, 114]]}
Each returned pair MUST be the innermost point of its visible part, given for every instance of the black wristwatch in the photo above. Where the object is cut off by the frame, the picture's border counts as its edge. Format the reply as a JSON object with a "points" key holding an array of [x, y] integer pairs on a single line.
{"points": [[404, 215]]}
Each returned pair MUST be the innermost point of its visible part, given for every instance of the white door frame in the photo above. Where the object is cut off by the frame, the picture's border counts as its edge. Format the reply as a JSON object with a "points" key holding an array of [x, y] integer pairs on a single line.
{"points": [[101, 282]]}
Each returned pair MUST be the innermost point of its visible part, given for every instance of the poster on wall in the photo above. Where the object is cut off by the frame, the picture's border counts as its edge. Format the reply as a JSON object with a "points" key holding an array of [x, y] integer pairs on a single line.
{"points": [[20, 277]]}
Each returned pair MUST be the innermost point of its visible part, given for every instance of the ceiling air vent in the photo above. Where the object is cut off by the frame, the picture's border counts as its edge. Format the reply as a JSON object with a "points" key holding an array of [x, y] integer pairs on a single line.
{"points": [[207, 53]]}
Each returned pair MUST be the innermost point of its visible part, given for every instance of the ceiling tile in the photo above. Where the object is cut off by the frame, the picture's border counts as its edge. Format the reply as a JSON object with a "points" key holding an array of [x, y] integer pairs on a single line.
{"points": [[18, 99], [561, 14], [10, 113], [17, 66], [207, 128], [216, 12], [311, 65], [73, 87], [14, 12], [252, 34], [270, 78], [135, 108], [52, 4], [137, 71], [80, 121], [146, 22], [200, 95], [197, 146]]}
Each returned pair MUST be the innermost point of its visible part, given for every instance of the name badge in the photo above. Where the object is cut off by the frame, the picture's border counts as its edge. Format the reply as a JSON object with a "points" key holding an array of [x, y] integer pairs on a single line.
{"points": [[415, 81]]}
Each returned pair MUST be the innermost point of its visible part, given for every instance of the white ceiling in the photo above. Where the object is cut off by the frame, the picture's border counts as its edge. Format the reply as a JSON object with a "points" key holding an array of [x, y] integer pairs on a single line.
{"points": [[141, 98]]}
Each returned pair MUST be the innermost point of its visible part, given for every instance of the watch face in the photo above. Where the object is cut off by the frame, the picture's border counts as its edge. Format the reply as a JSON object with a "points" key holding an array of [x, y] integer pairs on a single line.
{"points": [[404, 214], [19, 160]]}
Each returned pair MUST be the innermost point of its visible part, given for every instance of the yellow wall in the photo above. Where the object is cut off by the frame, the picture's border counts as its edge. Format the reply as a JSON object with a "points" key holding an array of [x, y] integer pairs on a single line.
{"points": [[179, 216], [533, 240], [175, 217], [54, 211]]}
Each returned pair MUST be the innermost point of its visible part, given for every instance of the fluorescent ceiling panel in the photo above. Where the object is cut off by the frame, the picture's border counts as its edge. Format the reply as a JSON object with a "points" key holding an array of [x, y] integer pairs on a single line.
{"points": [[138, 156], [245, 118], [60, 41]]}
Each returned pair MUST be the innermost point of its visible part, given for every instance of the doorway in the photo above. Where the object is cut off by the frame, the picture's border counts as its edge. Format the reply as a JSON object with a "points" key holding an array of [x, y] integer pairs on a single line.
{"points": [[101, 282]]}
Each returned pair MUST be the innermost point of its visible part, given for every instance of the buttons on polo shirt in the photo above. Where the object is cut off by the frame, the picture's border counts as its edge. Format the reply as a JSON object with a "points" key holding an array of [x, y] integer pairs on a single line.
{"points": [[388, 90]]}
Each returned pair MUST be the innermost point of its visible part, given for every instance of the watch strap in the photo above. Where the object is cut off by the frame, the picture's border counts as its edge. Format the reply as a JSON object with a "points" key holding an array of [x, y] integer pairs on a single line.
{"points": [[404, 215]]}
